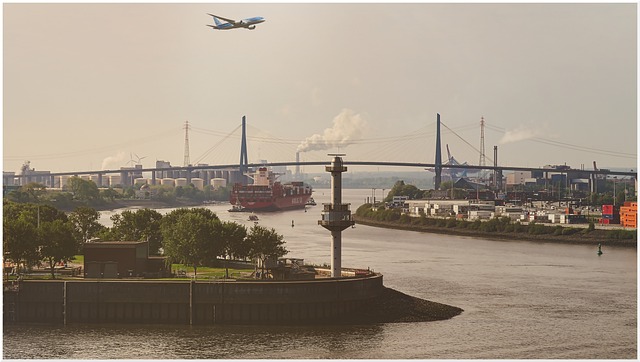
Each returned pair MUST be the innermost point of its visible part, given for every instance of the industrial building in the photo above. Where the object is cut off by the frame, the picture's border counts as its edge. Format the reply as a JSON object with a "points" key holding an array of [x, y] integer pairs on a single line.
{"points": [[121, 259]]}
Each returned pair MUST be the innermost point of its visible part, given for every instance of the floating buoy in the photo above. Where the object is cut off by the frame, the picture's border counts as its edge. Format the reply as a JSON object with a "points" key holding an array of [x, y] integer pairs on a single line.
{"points": [[292, 223], [599, 249]]}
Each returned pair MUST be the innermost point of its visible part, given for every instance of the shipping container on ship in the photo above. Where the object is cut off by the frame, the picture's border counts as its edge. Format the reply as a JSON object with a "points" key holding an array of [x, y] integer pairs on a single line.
{"points": [[267, 194]]}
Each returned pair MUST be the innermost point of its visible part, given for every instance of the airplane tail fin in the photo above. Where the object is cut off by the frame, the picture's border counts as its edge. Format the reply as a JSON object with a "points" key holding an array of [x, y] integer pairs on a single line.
{"points": [[216, 20]]}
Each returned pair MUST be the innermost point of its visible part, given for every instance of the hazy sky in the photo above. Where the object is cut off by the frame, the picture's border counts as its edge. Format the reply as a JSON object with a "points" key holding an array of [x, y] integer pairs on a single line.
{"points": [[88, 86]]}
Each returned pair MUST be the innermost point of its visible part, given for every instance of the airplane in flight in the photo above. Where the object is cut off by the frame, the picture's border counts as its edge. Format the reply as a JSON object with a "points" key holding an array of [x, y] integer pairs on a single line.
{"points": [[249, 23]]}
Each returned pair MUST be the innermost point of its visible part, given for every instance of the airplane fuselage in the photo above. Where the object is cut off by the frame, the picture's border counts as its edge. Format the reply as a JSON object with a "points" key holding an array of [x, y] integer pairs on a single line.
{"points": [[249, 23]]}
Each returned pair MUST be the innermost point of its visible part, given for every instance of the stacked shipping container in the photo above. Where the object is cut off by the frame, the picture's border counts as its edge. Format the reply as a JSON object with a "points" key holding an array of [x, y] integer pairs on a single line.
{"points": [[629, 214], [610, 215]]}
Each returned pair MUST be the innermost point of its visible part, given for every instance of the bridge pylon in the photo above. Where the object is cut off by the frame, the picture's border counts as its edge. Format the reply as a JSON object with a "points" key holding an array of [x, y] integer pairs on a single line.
{"points": [[244, 159], [438, 162]]}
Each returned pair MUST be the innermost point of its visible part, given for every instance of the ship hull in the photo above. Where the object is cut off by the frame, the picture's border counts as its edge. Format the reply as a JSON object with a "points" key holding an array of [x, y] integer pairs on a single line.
{"points": [[277, 204]]}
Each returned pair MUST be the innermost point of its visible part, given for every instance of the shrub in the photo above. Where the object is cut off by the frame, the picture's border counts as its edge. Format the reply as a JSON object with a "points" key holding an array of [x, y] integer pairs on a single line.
{"points": [[558, 230], [570, 231], [451, 222], [623, 234], [537, 229]]}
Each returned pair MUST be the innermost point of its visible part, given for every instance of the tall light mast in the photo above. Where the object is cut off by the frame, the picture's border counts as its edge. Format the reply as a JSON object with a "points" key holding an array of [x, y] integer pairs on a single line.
{"points": [[336, 216]]}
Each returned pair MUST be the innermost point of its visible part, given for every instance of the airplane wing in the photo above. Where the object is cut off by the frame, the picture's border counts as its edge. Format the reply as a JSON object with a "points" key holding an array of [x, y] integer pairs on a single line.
{"points": [[225, 19]]}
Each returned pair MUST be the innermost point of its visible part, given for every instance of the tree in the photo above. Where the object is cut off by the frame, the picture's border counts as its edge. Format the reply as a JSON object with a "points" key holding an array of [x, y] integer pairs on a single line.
{"points": [[172, 216], [33, 213], [31, 192], [109, 194], [139, 225], [21, 222], [233, 242], [56, 242], [234, 237], [191, 236], [19, 240], [83, 190], [265, 243], [401, 189], [85, 223]]}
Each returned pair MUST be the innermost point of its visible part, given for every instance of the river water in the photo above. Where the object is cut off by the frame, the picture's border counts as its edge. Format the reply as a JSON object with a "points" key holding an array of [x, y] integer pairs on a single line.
{"points": [[521, 300]]}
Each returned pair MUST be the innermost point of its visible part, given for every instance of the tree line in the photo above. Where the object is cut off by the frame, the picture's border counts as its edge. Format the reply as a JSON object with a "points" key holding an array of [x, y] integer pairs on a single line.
{"points": [[83, 192], [493, 225], [36, 235], [607, 197]]}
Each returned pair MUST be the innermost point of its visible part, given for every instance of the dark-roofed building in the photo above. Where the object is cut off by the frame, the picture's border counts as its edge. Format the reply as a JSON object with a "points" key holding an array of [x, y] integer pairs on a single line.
{"points": [[121, 259]]}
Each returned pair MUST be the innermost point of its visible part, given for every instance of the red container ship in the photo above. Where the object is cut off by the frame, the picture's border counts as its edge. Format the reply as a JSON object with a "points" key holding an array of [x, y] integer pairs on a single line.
{"points": [[267, 194]]}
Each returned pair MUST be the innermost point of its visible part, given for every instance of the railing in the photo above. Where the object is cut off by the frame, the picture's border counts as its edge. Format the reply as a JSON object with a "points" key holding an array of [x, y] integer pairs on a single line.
{"points": [[336, 208]]}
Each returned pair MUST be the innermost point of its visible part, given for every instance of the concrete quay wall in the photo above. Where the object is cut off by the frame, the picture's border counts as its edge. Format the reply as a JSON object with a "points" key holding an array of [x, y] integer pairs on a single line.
{"points": [[188, 302]]}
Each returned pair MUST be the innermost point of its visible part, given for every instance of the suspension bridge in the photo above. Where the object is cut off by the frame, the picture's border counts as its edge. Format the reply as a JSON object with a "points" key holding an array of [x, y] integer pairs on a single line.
{"points": [[233, 172]]}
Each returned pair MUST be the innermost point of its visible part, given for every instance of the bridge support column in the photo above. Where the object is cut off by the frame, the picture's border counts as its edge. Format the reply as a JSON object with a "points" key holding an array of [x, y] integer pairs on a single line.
{"points": [[438, 163], [243, 153]]}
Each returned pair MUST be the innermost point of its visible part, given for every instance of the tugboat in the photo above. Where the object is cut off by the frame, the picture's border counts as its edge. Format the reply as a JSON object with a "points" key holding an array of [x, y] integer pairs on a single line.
{"points": [[236, 208], [311, 202]]}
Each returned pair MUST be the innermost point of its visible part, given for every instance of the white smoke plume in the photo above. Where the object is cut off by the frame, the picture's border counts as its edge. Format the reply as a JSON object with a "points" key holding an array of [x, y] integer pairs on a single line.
{"points": [[519, 134], [113, 161], [347, 128]]}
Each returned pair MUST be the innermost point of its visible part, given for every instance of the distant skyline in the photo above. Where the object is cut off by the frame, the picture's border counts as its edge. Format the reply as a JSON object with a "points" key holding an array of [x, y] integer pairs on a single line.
{"points": [[93, 86]]}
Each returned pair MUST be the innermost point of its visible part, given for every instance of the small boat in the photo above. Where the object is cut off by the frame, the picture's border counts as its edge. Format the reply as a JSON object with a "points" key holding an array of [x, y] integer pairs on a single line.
{"points": [[311, 202], [236, 208], [253, 217]]}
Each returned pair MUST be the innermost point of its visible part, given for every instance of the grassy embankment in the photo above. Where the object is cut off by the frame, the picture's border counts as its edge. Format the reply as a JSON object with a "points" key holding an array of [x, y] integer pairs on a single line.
{"points": [[502, 228], [203, 273]]}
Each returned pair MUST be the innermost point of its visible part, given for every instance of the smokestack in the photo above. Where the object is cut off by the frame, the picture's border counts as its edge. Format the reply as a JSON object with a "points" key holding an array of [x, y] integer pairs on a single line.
{"points": [[497, 175], [495, 164]]}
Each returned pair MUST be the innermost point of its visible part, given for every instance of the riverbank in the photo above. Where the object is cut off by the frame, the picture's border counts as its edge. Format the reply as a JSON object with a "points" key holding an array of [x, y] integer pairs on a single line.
{"points": [[134, 203], [592, 238], [392, 306]]}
